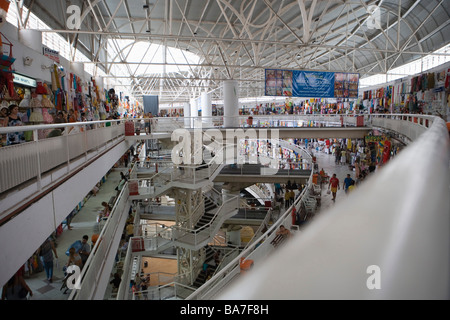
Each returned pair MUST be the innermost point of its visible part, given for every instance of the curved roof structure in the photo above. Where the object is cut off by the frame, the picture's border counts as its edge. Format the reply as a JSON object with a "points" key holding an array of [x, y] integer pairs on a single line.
{"points": [[238, 39]]}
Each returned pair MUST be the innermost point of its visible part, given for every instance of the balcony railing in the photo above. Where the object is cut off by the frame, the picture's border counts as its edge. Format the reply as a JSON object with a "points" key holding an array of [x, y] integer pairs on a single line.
{"points": [[31, 160], [389, 239]]}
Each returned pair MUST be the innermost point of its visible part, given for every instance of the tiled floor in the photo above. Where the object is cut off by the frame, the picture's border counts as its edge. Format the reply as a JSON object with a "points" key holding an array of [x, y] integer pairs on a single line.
{"points": [[326, 162]]}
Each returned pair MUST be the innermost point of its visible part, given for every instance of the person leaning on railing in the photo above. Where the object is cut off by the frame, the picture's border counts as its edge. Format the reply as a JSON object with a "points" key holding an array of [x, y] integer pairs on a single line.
{"points": [[12, 120], [3, 116], [284, 232]]}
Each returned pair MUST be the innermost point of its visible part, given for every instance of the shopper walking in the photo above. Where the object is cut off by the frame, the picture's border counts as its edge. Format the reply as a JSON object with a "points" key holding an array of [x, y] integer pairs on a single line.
{"points": [[334, 186], [347, 183], [337, 155], [343, 157], [287, 198], [85, 249], [291, 197], [45, 252]]}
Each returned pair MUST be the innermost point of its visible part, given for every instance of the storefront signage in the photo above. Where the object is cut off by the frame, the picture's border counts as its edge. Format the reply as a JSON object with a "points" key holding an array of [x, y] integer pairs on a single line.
{"points": [[23, 80], [375, 138], [51, 54], [311, 84]]}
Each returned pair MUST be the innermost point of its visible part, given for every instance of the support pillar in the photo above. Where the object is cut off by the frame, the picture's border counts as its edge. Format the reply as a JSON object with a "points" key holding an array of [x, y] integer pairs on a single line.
{"points": [[230, 104], [194, 111], [233, 232], [187, 115], [206, 109], [189, 207], [229, 193]]}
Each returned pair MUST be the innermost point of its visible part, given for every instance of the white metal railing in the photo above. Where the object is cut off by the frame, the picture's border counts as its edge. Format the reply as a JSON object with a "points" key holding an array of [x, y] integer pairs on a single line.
{"points": [[214, 195], [260, 231], [221, 280], [285, 221], [256, 250], [30, 160], [171, 176], [20, 163], [389, 239], [99, 262], [410, 126], [200, 236], [169, 124], [170, 291], [230, 255], [187, 236], [415, 127]]}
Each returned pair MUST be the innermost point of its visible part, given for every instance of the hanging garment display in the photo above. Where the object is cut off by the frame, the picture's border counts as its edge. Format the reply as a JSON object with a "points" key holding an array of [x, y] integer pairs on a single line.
{"points": [[36, 115], [25, 102], [447, 80], [413, 84], [46, 103], [431, 80], [54, 83], [58, 81], [47, 118]]}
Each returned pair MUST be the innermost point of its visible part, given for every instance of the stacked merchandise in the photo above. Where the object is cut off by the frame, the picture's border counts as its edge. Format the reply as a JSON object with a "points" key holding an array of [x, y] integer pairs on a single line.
{"points": [[379, 100], [426, 93], [431, 93], [8, 95]]}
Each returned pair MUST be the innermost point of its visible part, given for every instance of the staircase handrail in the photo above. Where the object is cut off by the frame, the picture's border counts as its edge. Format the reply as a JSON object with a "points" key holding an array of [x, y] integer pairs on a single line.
{"points": [[204, 289], [211, 225]]}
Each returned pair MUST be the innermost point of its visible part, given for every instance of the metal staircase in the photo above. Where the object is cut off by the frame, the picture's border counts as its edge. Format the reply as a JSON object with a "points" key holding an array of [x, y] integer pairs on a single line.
{"points": [[208, 216], [207, 270]]}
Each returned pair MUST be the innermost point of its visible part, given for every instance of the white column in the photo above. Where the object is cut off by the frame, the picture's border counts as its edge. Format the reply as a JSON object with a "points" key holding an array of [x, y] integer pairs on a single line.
{"points": [[230, 103], [194, 111], [206, 109], [234, 235], [227, 194], [187, 114]]}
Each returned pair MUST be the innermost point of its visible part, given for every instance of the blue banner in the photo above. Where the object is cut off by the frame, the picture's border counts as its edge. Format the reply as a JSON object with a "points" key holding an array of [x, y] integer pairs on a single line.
{"points": [[310, 84]]}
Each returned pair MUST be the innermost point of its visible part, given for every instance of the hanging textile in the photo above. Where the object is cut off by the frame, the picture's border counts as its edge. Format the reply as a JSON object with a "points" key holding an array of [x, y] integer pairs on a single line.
{"points": [[431, 80]]}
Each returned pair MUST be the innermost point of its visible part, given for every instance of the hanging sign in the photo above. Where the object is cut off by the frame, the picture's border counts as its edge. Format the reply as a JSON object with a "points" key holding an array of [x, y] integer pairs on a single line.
{"points": [[370, 138], [346, 85], [26, 81], [51, 54], [311, 84]]}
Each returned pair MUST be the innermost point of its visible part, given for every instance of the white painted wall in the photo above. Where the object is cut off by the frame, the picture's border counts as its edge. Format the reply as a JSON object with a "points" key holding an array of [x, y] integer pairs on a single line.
{"points": [[27, 45], [22, 235]]}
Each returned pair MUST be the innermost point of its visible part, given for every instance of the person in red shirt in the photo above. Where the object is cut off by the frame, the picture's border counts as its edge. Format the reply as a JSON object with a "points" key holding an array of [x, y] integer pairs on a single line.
{"points": [[334, 184]]}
